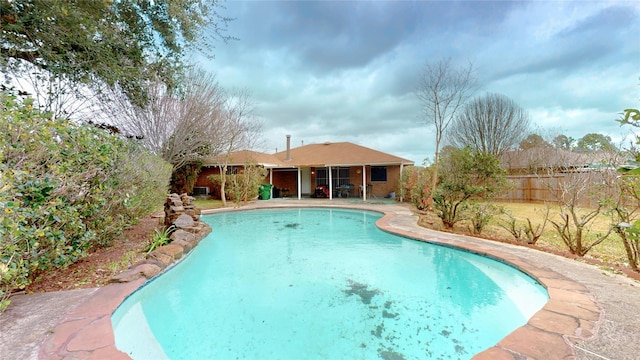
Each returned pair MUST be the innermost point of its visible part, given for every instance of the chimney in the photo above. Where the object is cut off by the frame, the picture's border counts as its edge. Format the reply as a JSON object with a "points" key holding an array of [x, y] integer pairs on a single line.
{"points": [[288, 148]]}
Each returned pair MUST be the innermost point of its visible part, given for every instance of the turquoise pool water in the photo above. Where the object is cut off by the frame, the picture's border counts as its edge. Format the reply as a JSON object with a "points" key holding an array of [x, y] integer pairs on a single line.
{"points": [[323, 284]]}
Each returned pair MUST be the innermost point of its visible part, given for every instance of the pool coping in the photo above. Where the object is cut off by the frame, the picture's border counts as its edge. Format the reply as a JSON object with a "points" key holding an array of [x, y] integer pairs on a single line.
{"points": [[570, 316]]}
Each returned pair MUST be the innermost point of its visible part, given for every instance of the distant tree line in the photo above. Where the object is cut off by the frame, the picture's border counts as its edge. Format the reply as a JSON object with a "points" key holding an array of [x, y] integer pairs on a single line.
{"points": [[591, 142]]}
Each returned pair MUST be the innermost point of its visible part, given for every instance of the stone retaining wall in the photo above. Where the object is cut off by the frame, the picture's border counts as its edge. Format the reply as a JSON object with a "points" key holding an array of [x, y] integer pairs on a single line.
{"points": [[182, 216]]}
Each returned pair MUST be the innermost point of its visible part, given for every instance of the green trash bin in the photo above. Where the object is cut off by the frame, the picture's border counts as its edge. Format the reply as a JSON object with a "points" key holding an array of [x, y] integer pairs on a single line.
{"points": [[265, 191]]}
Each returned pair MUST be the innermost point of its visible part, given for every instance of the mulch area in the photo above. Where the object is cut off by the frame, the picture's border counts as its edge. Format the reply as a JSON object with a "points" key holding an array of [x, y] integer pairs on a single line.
{"points": [[97, 268]]}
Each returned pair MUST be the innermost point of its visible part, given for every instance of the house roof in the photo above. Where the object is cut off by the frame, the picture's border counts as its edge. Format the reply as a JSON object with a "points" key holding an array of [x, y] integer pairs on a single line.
{"points": [[338, 154], [318, 155], [243, 157]]}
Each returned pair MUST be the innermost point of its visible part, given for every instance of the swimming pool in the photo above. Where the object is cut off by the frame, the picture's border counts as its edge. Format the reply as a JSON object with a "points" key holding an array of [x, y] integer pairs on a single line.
{"points": [[323, 284]]}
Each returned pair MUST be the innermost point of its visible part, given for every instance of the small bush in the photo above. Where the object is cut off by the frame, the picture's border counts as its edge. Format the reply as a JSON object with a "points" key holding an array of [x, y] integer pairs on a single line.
{"points": [[575, 223], [160, 238], [243, 186], [415, 184], [517, 230], [480, 214], [465, 175]]}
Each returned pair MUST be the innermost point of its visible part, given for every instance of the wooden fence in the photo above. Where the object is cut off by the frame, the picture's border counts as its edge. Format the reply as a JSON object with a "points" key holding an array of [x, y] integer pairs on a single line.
{"points": [[588, 188]]}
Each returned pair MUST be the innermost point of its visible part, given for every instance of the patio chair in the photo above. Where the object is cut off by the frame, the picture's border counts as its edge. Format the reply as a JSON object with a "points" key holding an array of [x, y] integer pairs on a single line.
{"points": [[345, 190], [369, 191]]}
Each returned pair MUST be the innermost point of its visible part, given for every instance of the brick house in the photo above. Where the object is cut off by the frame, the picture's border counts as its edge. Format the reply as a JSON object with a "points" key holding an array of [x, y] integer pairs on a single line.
{"points": [[344, 169]]}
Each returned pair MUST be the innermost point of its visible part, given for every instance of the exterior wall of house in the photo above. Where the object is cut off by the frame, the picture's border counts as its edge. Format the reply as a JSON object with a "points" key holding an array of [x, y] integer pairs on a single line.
{"points": [[202, 180], [383, 188], [377, 188], [286, 179]]}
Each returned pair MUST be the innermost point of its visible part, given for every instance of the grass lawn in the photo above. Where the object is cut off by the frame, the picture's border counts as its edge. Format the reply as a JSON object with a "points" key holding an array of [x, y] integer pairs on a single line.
{"points": [[204, 204], [609, 251]]}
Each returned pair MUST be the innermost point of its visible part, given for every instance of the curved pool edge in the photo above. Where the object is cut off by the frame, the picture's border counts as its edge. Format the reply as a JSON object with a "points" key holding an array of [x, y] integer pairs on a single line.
{"points": [[570, 315]]}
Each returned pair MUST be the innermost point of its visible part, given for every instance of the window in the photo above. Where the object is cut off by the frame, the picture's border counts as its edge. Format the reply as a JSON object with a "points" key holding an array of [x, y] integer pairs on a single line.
{"points": [[339, 176], [378, 173]]}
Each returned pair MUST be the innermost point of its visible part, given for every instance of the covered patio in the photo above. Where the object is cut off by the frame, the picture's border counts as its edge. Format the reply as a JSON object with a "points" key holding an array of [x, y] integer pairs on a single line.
{"points": [[327, 170]]}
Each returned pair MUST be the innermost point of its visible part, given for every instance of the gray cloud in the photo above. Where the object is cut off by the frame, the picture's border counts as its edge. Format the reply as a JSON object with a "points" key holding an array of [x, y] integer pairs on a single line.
{"points": [[346, 71]]}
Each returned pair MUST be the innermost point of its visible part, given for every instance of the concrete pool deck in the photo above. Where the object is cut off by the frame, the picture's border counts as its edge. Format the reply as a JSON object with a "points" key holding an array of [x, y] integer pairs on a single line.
{"points": [[591, 314]]}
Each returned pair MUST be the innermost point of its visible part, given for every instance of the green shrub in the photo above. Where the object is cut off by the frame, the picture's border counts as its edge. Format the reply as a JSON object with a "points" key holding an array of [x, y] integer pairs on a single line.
{"points": [[160, 238], [243, 186], [64, 189], [480, 214], [465, 175], [415, 183]]}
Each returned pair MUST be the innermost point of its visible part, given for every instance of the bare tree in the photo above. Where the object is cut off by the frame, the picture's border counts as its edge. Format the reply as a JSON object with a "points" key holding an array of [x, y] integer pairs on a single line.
{"points": [[574, 225], [183, 127], [491, 124], [57, 95], [239, 131], [200, 120], [442, 90], [583, 194]]}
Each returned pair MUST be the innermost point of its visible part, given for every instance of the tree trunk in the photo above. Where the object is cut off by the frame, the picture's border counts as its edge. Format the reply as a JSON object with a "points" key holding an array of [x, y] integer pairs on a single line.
{"points": [[223, 182], [631, 254], [434, 178]]}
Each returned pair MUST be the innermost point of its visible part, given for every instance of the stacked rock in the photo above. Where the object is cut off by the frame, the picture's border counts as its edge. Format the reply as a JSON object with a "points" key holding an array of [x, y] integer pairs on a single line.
{"points": [[173, 208], [180, 213], [183, 218], [189, 209]]}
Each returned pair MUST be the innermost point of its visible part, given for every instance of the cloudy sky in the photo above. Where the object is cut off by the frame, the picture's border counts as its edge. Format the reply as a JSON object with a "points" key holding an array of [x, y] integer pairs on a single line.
{"points": [[347, 70]]}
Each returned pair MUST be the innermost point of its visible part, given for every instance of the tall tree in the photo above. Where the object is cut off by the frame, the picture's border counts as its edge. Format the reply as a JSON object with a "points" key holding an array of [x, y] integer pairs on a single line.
{"points": [[121, 43], [563, 142], [442, 90], [239, 131], [182, 127], [595, 142], [490, 124], [533, 141]]}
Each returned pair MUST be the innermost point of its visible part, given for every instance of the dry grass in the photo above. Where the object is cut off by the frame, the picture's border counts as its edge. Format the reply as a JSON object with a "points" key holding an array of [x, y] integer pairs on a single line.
{"points": [[610, 251]]}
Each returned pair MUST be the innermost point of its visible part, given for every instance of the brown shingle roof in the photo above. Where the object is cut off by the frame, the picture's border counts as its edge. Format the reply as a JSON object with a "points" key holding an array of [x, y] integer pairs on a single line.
{"points": [[338, 154], [243, 157], [326, 154]]}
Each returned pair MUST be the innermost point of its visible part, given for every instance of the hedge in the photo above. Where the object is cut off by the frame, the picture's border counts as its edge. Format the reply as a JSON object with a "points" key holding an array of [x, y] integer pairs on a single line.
{"points": [[65, 189]]}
